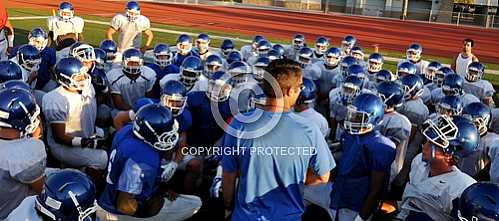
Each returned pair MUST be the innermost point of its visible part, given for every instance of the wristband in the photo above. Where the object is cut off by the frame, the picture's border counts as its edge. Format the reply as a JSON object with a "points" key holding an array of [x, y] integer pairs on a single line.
{"points": [[76, 141], [10, 40], [131, 114]]}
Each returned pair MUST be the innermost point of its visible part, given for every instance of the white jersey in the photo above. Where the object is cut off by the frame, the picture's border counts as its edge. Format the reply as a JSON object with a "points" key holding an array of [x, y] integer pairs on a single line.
{"points": [[481, 88], [22, 161], [62, 27], [426, 96], [420, 66], [327, 76], [77, 111], [130, 31], [316, 118], [312, 72], [247, 52], [25, 211], [462, 64], [63, 53], [415, 110], [290, 52], [432, 195], [131, 90], [397, 128]]}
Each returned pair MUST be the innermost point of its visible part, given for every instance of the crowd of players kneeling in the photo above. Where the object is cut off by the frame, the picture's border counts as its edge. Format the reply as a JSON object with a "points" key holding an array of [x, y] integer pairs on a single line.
{"points": [[126, 123]]}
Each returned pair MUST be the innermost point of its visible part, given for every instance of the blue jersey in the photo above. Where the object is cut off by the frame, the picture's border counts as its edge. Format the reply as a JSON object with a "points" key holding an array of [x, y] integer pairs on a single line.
{"points": [[134, 168], [178, 58], [160, 73], [48, 61], [205, 131], [273, 166], [361, 155]]}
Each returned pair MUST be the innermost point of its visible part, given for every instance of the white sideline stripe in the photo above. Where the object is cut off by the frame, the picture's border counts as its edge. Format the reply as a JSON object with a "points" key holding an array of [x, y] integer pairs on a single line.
{"points": [[488, 71]]}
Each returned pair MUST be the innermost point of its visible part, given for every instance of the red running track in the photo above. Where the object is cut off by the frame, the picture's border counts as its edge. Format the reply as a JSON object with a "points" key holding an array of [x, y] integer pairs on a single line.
{"points": [[437, 39]]}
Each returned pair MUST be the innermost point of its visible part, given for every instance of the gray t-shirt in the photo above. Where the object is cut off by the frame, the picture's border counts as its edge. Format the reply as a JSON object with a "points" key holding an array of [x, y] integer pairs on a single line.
{"points": [[22, 162]]}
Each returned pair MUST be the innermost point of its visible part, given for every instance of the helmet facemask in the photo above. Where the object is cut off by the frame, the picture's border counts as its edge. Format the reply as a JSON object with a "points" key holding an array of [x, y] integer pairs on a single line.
{"points": [[218, 90], [348, 92], [374, 66], [38, 42], [332, 61], [132, 14], [189, 78], [473, 75], [184, 48], [132, 65], [163, 59], [66, 14], [175, 102], [357, 122], [413, 55], [440, 130]]}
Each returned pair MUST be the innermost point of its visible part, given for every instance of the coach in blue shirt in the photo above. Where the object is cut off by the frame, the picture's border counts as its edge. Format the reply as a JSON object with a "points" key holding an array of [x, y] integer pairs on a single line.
{"points": [[273, 166]]}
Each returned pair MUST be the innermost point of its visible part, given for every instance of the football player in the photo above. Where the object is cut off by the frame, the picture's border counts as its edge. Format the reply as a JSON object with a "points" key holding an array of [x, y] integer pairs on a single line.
{"points": [[65, 25]]}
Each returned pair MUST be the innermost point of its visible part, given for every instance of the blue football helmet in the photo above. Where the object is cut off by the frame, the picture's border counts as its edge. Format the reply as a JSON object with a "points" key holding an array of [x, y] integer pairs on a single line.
{"points": [[190, 70], [438, 79], [226, 47], [141, 102], [255, 41], [67, 195], [100, 58], [16, 84], [132, 10], [345, 63], [280, 50], [162, 55], [413, 52], [259, 67], [29, 57], [239, 72], [375, 61], [184, 44], [304, 56], [478, 202], [65, 11], [10, 71], [348, 43], [132, 61], [357, 70], [431, 70], [174, 97], [364, 114], [321, 45], [413, 86], [333, 57], [19, 111], [212, 64], [391, 93], [475, 71], [71, 73], [110, 47], [203, 41], [453, 85], [384, 76], [234, 56], [450, 106], [467, 138], [357, 53], [350, 89], [298, 41], [38, 38], [308, 93], [263, 48], [154, 124], [219, 87], [480, 114], [406, 68], [99, 81], [273, 55], [83, 52]]}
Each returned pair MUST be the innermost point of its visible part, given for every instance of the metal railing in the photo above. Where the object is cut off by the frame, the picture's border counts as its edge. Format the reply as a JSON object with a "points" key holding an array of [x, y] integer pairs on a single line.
{"points": [[376, 10]]}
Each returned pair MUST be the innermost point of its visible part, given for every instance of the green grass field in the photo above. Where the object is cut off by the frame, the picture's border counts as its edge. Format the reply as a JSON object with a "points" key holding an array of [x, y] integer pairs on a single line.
{"points": [[94, 33]]}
